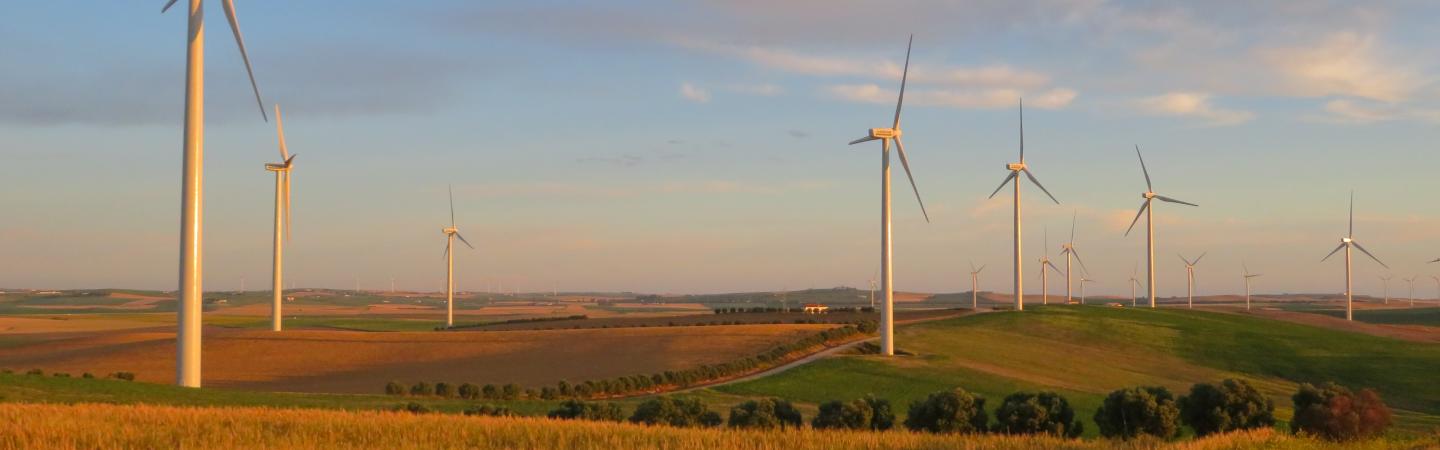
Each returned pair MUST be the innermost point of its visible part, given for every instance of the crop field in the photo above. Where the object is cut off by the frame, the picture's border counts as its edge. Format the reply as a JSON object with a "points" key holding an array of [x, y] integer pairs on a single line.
{"points": [[707, 317], [1086, 352], [362, 362]]}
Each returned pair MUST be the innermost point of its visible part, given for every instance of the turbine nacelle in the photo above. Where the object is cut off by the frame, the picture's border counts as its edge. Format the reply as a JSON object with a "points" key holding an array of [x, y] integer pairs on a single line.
{"points": [[1015, 167], [1148, 195], [277, 167], [1346, 240], [884, 133], [450, 230]]}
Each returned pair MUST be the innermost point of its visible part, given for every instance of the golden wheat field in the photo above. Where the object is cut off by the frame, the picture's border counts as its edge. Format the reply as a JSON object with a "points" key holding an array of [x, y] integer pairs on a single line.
{"points": [[362, 362], [86, 426]]}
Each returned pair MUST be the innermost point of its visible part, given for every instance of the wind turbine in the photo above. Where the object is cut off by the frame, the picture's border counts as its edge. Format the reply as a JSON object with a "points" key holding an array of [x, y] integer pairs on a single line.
{"points": [[975, 286], [1190, 276], [1248, 276], [1134, 283], [1015, 170], [1346, 243], [1148, 211], [282, 219], [192, 223], [451, 232], [1044, 273], [1411, 282], [1386, 280], [1083, 280], [1068, 249], [1437, 286], [885, 135]]}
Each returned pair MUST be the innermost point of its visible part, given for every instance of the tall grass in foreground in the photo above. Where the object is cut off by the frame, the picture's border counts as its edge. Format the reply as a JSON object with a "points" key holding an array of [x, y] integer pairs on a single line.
{"points": [[50, 426]]}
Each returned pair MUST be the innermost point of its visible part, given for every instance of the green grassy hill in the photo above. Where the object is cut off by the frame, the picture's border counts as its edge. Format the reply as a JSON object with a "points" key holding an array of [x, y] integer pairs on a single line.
{"points": [[1086, 352]]}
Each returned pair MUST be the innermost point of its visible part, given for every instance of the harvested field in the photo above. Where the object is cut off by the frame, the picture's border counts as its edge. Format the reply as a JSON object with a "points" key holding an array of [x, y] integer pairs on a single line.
{"points": [[362, 362], [1415, 333], [706, 319], [66, 324]]}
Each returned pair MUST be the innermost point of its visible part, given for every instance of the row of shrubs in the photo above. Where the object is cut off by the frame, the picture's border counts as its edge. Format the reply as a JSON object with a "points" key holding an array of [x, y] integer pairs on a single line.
{"points": [[763, 309], [127, 376], [1326, 411], [633, 384], [513, 321]]}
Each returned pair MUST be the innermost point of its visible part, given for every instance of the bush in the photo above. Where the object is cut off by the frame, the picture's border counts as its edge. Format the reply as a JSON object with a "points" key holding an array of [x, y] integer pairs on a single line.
{"points": [[422, 389], [443, 389], [413, 408], [765, 414], [490, 392], [575, 409], [87, 375], [1233, 405], [869, 413], [127, 376], [510, 391], [469, 391], [36, 372], [61, 375], [953, 411], [394, 388], [677, 412], [1037, 413], [489, 410], [1130, 412], [1333, 412]]}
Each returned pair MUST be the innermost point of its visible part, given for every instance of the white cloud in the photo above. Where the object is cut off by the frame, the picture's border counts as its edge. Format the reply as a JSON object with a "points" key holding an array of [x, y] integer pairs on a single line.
{"points": [[954, 98], [694, 93], [1346, 63], [1363, 112], [765, 90], [1193, 104]]}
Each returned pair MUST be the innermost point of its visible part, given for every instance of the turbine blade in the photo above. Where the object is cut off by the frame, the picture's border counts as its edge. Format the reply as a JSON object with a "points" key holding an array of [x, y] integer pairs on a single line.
{"points": [[1052, 267], [1073, 216], [167, 6], [982, 268], [1197, 260], [1148, 187], [1332, 252], [1007, 179], [903, 76], [1144, 205], [1352, 213], [1246, 267], [863, 139], [240, 41], [1435, 261], [462, 239], [452, 205], [1367, 253], [906, 162], [447, 250], [1022, 129], [1171, 200], [1182, 258], [1083, 269], [972, 266], [1037, 184], [280, 131]]}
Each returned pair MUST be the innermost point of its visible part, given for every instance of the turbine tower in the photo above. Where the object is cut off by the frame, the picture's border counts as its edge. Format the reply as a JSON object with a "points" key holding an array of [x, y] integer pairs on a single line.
{"points": [[1437, 286], [1083, 280], [282, 220], [1068, 249], [975, 286], [1045, 267], [1147, 210], [1248, 276], [1346, 243], [1133, 284], [1385, 280], [1190, 277], [885, 136], [192, 224], [1411, 281], [1015, 170], [451, 233]]}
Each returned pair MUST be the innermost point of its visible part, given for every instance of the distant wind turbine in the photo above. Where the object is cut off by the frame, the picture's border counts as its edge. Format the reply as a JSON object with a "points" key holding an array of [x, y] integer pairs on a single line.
{"points": [[1248, 276], [1190, 277], [1437, 286], [282, 220], [1346, 243], [1068, 249], [1385, 279], [885, 135], [1015, 170], [975, 286], [1084, 280], [1045, 267], [1148, 211], [451, 232], [1134, 282], [192, 222], [1411, 282]]}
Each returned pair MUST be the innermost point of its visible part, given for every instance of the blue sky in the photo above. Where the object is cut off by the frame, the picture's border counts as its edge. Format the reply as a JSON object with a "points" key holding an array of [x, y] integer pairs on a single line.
{"points": [[700, 146]]}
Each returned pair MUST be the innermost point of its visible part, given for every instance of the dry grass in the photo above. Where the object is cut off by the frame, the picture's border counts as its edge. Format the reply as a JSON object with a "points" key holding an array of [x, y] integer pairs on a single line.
{"points": [[66, 324], [44, 426], [361, 362]]}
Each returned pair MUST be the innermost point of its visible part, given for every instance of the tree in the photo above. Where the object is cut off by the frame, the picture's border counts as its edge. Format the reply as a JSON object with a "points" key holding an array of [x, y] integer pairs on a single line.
{"points": [[510, 391], [469, 391], [394, 388], [868, 413], [490, 392], [1333, 412], [422, 389], [768, 413], [688, 412], [1233, 405], [1130, 412], [564, 388], [1037, 413], [953, 411], [443, 389], [576, 409]]}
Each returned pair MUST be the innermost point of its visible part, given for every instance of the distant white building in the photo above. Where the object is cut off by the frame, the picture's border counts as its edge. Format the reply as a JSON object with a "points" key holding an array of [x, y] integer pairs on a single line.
{"points": [[816, 308]]}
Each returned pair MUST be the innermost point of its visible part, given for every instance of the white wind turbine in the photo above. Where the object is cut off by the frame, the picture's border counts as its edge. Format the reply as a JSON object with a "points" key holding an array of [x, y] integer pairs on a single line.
{"points": [[885, 135], [1385, 280], [282, 219], [1346, 243], [1190, 276], [1068, 249], [1045, 267], [975, 286], [451, 232], [1134, 282], [1015, 170], [1411, 281], [187, 336], [1150, 196], [1084, 280], [1248, 276]]}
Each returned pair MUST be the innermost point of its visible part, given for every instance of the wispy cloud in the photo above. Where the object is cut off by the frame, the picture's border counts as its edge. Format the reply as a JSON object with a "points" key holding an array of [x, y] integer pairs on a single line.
{"points": [[1347, 64], [694, 93], [953, 98], [1193, 104]]}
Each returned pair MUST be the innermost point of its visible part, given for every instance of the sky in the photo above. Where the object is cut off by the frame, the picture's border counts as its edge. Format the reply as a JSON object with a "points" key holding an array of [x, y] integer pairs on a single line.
{"points": [[700, 146]]}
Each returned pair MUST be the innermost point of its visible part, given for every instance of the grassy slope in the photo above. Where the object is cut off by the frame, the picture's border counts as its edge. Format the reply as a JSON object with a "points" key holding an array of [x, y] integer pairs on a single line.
{"points": [[1086, 352], [1404, 316]]}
